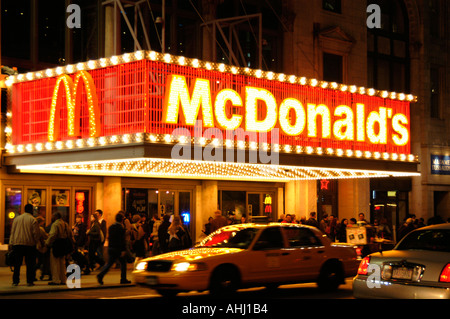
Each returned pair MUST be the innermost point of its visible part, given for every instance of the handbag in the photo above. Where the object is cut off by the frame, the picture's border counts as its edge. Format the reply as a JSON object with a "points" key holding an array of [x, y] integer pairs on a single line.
{"points": [[9, 259]]}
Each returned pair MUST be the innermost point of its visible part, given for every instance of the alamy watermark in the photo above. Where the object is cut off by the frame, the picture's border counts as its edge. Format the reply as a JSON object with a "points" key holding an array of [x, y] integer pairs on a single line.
{"points": [[73, 276], [74, 19], [374, 19], [374, 279], [262, 148]]}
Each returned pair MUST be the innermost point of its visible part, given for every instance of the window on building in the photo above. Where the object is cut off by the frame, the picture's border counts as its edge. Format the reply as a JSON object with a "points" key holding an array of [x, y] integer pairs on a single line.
{"points": [[35, 36], [16, 25], [332, 5], [85, 41], [245, 37], [333, 67], [181, 28], [388, 48], [435, 17], [51, 31], [435, 93]]}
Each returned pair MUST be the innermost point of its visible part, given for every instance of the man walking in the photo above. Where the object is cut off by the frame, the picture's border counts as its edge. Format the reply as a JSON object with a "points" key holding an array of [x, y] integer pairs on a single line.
{"points": [[103, 227], [25, 235], [116, 250]]}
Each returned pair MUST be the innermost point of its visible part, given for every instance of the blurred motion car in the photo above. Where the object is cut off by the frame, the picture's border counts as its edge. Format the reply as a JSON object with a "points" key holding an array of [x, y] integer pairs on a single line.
{"points": [[417, 268], [251, 255]]}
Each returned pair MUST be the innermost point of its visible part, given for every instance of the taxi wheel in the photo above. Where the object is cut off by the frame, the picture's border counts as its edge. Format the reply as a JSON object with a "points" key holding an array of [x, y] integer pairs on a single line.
{"points": [[225, 280], [331, 276]]}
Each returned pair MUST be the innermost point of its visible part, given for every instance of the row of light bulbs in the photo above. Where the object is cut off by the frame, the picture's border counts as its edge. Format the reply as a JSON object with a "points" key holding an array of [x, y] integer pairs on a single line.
{"points": [[196, 63], [200, 169], [202, 141]]}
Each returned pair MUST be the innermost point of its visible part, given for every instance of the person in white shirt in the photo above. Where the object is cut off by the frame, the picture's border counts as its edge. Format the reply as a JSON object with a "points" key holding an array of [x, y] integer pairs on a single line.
{"points": [[25, 235]]}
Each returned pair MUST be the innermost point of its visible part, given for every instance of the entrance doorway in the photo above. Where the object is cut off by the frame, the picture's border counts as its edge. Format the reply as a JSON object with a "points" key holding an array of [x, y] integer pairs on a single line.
{"points": [[159, 201], [390, 207], [253, 206]]}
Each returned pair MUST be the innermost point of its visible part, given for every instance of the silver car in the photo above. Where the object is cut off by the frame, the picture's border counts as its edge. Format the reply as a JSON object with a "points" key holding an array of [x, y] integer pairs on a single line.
{"points": [[417, 268]]}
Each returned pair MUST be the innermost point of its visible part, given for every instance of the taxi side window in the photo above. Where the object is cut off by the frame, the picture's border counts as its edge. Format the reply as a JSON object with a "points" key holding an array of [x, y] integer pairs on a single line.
{"points": [[301, 237], [271, 238]]}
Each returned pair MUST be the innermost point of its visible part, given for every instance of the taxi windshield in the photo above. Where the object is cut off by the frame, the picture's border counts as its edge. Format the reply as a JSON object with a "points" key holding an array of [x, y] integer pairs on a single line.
{"points": [[233, 238]]}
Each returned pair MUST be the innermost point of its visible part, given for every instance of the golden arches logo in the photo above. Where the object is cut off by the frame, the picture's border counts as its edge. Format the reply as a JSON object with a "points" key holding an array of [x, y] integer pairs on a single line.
{"points": [[73, 97]]}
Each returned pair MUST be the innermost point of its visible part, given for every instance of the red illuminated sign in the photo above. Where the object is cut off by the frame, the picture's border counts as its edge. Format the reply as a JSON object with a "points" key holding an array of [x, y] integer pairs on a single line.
{"points": [[156, 95], [324, 184]]}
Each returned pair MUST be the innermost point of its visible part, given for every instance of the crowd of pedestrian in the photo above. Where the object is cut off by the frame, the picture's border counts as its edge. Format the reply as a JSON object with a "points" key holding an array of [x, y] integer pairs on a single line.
{"points": [[50, 249], [332, 227]]}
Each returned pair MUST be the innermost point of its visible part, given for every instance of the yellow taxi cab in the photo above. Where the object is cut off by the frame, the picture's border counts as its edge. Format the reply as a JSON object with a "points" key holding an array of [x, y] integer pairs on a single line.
{"points": [[251, 255]]}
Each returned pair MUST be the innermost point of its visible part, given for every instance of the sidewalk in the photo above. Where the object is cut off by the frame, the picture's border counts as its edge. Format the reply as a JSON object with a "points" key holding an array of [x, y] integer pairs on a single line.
{"points": [[112, 279]]}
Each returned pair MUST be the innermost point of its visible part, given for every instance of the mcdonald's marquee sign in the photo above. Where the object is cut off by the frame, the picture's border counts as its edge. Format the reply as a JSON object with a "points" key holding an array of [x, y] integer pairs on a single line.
{"points": [[149, 94]]}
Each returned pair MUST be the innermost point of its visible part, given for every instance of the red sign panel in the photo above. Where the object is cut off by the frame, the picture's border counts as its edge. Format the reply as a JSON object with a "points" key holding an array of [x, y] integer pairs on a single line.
{"points": [[153, 96]]}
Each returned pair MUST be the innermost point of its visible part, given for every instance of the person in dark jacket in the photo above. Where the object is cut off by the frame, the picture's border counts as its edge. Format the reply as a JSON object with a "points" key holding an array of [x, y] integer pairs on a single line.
{"points": [[163, 234], [79, 232], [341, 231], [116, 250]]}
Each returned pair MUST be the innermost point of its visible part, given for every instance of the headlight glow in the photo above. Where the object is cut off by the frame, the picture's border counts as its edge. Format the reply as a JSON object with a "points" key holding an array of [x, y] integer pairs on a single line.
{"points": [[181, 267], [141, 266], [186, 266]]}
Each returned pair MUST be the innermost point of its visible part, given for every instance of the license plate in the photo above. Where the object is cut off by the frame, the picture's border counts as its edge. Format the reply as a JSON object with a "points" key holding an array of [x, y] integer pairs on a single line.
{"points": [[152, 281], [402, 273]]}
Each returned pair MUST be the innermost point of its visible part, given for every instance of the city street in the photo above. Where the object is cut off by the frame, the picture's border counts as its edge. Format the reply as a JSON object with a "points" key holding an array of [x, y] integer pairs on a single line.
{"points": [[298, 291]]}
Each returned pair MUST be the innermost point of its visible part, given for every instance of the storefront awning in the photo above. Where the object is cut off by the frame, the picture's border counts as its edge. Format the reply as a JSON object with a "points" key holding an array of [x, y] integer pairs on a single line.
{"points": [[155, 160]]}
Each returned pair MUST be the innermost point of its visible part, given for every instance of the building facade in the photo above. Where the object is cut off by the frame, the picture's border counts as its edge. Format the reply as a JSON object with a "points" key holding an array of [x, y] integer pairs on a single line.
{"points": [[129, 164]]}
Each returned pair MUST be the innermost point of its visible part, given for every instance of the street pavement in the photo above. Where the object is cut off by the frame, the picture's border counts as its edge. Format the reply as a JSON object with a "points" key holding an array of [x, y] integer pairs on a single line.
{"points": [[111, 280]]}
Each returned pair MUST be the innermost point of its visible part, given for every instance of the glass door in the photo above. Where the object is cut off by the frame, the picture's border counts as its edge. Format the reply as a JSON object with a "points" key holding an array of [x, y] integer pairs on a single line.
{"points": [[13, 206], [82, 205], [260, 207], [61, 203], [254, 207], [166, 202], [38, 198], [184, 207]]}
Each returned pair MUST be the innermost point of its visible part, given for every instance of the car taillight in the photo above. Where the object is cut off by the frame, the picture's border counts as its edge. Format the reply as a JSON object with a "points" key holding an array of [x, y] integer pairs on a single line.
{"points": [[362, 269], [445, 274]]}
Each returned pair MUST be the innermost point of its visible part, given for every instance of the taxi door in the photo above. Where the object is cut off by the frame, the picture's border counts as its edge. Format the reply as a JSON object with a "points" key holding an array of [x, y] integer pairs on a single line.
{"points": [[269, 258], [307, 253]]}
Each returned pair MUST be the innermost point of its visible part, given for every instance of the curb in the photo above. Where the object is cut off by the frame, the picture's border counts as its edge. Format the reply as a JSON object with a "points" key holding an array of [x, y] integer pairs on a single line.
{"points": [[37, 291]]}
